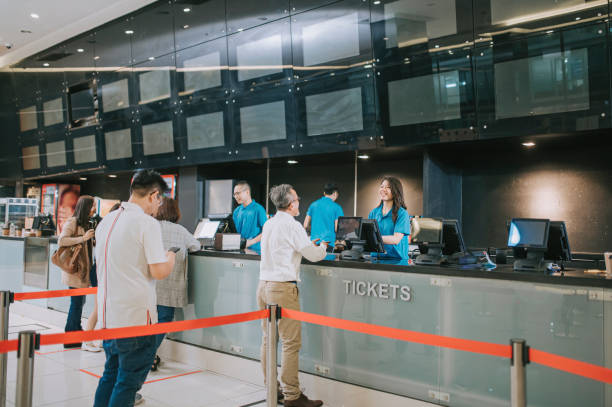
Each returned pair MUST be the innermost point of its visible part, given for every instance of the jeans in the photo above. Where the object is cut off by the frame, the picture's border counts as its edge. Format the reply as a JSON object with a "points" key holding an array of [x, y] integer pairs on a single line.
{"points": [[164, 314], [73, 322], [128, 362]]}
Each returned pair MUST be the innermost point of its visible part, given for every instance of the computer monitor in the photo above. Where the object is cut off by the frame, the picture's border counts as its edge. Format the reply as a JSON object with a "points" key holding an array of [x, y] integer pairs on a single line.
{"points": [[370, 234], [528, 239], [558, 247], [428, 234], [348, 228], [206, 229], [452, 238], [227, 222]]}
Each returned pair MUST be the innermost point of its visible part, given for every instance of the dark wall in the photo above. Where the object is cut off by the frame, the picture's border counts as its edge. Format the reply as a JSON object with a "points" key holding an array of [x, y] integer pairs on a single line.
{"points": [[10, 165], [107, 188], [573, 184]]}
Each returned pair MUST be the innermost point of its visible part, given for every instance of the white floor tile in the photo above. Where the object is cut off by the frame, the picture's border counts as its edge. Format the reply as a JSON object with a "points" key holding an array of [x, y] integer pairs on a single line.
{"points": [[78, 359], [42, 366]]}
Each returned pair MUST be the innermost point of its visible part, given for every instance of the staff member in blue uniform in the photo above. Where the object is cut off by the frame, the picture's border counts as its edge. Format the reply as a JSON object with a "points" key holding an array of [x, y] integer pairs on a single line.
{"points": [[392, 217], [249, 216], [324, 214]]}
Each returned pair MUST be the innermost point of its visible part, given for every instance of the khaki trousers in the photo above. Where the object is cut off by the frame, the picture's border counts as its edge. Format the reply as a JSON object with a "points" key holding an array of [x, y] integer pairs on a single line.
{"points": [[284, 295]]}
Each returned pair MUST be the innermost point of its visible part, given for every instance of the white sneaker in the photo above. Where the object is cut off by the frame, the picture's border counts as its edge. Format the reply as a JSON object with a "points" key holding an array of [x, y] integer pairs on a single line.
{"points": [[138, 399], [90, 347]]}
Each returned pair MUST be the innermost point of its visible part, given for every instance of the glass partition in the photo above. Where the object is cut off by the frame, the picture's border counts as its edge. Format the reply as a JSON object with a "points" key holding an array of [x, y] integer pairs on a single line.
{"points": [[118, 144], [30, 158], [56, 154], [263, 122], [203, 69], [53, 112], [197, 22], [157, 138], [84, 149], [153, 32], [28, 119], [242, 15]]}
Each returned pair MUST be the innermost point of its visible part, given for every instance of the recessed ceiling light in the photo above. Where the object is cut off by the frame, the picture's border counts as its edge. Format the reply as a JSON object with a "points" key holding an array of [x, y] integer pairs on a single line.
{"points": [[80, 50], [292, 162], [83, 178], [240, 29], [363, 156], [151, 58], [45, 64], [186, 26], [528, 144], [186, 9], [97, 57], [129, 32], [34, 15], [112, 176], [377, 2]]}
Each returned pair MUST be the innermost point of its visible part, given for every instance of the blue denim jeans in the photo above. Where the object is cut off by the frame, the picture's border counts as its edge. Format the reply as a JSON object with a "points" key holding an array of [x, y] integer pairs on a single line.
{"points": [[73, 322], [128, 362], [164, 314]]}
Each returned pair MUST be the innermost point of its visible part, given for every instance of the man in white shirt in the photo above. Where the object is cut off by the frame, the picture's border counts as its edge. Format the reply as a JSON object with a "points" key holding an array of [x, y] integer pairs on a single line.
{"points": [[130, 257], [284, 241]]}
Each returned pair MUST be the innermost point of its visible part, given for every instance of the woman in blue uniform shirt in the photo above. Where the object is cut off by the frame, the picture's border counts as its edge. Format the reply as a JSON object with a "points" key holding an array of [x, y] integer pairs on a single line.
{"points": [[392, 217]]}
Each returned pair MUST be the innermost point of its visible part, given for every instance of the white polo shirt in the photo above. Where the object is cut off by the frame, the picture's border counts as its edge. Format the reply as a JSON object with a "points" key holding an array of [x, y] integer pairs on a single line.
{"points": [[283, 243], [126, 289]]}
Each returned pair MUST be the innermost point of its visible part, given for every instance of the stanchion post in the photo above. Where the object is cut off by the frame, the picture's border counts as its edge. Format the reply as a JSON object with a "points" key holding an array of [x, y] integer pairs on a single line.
{"points": [[271, 373], [28, 343], [6, 298], [518, 384]]}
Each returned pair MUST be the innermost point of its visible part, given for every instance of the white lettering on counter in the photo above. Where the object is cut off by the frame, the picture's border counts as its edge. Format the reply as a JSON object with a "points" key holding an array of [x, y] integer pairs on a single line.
{"points": [[377, 290]]}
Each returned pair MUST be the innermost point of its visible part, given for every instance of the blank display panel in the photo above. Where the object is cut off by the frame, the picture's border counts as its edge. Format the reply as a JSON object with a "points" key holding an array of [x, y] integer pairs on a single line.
{"points": [[118, 144], [115, 95], [30, 158], [157, 138], [260, 57], [334, 112], [154, 85], [56, 154], [84, 149], [549, 83], [27, 118], [424, 99], [263, 122], [205, 131], [53, 112], [318, 46], [203, 72]]}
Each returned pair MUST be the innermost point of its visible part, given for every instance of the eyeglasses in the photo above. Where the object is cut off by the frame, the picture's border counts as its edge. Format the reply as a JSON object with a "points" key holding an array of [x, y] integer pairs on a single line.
{"points": [[239, 192]]}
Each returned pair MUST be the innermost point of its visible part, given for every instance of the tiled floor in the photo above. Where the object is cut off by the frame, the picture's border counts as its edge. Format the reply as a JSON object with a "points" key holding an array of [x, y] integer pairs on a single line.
{"points": [[70, 377]]}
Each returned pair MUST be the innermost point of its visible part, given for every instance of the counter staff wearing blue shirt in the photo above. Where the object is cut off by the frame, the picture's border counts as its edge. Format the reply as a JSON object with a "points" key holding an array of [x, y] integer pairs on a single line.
{"points": [[249, 216], [324, 214], [392, 217]]}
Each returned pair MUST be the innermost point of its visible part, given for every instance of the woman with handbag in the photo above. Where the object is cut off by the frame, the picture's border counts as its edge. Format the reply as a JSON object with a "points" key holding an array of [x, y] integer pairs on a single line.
{"points": [[76, 231]]}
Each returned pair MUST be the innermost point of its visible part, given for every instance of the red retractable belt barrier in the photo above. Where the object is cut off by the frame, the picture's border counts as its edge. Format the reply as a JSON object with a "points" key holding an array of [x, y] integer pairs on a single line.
{"points": [[9, 346], [573, 366], [467, 345], [36, 295]]}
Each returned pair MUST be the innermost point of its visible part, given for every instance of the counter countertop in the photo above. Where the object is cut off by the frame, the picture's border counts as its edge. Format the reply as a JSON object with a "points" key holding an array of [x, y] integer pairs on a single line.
{"points": [[52, 239], [573, 276]]}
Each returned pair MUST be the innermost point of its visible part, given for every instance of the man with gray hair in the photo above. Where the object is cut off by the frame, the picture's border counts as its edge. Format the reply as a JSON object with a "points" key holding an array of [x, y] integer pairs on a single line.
{"points": [[284, 241]]}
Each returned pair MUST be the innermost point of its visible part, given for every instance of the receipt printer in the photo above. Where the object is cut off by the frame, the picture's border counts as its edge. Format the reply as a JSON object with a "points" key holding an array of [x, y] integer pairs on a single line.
{"points": [[227, 241]]}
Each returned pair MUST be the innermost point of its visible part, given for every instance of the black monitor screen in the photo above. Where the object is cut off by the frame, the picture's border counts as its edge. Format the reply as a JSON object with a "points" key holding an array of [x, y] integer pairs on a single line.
{"points": [[81, 104], [371, 234], [227, 222], [528, 233], [453, 239], [558, 243], [426, 230], [348, 227]]}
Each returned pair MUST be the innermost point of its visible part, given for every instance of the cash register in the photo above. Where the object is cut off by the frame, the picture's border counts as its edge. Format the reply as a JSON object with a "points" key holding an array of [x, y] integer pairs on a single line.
{"points": [[358, 236], [218, 231]]}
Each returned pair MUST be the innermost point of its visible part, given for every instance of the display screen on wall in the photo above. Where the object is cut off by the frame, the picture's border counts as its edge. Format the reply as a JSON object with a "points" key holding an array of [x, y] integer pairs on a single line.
{"points": [[115, 95], [81, 104], [27, 118], [53, 112], [425, 99], [259, 58], [30, 158], [205, 131], [334, 112], [154, 85], [549, 83], [84, 149], [263, 122], [203, 72], [118, 144], [56, 154], [157, 138], [318, 48]]}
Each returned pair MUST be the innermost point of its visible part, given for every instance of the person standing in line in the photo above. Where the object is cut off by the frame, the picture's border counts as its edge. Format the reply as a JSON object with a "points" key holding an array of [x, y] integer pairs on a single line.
{"points": [[249, 216], [284, 241], [172, 291], [76, 231], [131, 257], [393, 219], [324, 214]]}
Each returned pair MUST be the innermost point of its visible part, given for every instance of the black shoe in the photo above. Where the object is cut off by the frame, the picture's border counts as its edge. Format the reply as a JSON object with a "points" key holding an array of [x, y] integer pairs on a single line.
{"points": [[280, 397], [72, 345], [156, 363], [303, 401]]}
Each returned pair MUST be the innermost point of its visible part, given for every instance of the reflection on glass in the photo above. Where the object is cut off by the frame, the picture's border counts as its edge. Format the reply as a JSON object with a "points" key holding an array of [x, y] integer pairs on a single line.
{"points": [[154, 85], [318, 46], [118, 144], [53, 112], [424, 99], [263, 122], [115, 95], [411, 22], [84, 149], [203, 72], [517, 11], [260, 58], [82, 104], [334, 112], [205, 131], [157, 138], [27, 118], [550, 83], [30, 158], [56, 154]]}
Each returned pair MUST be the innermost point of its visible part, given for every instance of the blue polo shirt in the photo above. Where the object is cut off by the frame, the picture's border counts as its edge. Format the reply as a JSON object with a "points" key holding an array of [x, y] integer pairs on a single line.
{"points": [[324, 213], [387, 227], [249, 220]]}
